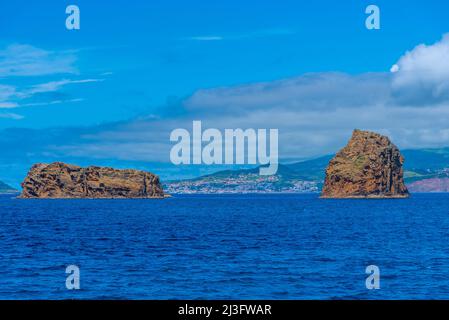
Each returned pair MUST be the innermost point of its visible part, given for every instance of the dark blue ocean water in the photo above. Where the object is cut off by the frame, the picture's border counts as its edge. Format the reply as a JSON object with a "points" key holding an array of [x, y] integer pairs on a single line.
{"points": [[225, 247]]}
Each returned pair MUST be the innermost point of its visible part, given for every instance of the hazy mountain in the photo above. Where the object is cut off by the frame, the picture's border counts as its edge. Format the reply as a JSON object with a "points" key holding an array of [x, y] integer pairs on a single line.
{"points": [[4, 188]]}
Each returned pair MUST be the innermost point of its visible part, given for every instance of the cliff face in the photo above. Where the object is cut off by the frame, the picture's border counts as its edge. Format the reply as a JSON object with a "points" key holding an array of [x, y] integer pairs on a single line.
{"points": [[369, 166], [60, 180]]}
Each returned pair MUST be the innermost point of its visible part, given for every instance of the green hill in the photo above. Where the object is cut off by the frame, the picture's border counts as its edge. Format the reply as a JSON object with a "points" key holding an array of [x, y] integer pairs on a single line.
{"points": [[423, 164], [311, 169]]}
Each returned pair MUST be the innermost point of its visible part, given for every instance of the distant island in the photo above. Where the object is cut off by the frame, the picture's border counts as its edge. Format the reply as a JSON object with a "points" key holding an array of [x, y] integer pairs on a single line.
{"points": [[369, 166], [4, 188], [60, 180]]}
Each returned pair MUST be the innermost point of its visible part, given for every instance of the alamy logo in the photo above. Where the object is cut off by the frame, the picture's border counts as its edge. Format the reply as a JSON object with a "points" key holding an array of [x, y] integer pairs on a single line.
{"points": [[72, 281], [372, 22], [73, 20], [373, 280], [240, 147]]}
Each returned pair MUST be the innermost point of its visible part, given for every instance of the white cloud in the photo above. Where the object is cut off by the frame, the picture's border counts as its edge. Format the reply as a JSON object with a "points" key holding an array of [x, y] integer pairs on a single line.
{"points": [[308, 92], [13, 116], [54, 86], [8, 105], [6, 92], [26, 60], [315, 115], [206, 38], [302, 133], [423, 74], [38, 104], [11, 97], [246, 35], [394, 68]]}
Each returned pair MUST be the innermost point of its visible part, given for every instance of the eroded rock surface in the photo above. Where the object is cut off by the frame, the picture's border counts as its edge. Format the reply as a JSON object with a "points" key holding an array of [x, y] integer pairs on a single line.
{"points": [[60, 180], [369, 166]]}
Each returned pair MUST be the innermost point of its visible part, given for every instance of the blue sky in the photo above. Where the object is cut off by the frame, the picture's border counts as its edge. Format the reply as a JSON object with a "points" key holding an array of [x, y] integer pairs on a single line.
{"points": [[158, 50], [135, 61]]}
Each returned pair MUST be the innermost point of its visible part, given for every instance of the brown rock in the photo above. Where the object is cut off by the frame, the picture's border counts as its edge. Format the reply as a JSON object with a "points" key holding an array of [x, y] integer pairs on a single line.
{"points": [[369, 166], [60, 180]]}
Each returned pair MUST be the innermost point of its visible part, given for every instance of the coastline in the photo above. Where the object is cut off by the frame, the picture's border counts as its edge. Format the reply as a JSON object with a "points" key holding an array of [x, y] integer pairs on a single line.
{"points": [[368, 197]]}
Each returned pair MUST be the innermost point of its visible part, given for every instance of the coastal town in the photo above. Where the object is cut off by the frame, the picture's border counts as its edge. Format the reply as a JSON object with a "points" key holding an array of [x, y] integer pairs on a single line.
{"points": [[242, 183]]}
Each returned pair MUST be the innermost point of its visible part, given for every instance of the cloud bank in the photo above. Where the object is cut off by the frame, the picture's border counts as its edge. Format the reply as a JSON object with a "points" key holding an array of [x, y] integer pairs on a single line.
{"points": [[26, 60], [315, 113], [422, 75]]}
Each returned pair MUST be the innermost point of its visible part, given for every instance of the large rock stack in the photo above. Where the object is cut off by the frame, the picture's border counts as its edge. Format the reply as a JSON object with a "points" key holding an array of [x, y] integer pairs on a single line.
{"points": [[369, 166]]}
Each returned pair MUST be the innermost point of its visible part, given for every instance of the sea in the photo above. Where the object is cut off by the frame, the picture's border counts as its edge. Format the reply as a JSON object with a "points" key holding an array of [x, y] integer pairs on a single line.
{"points": [[261, 246]]}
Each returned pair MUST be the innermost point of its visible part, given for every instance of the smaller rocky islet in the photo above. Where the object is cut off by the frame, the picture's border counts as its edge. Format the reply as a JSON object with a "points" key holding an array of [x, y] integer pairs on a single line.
{"points": [[60, 180]]}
